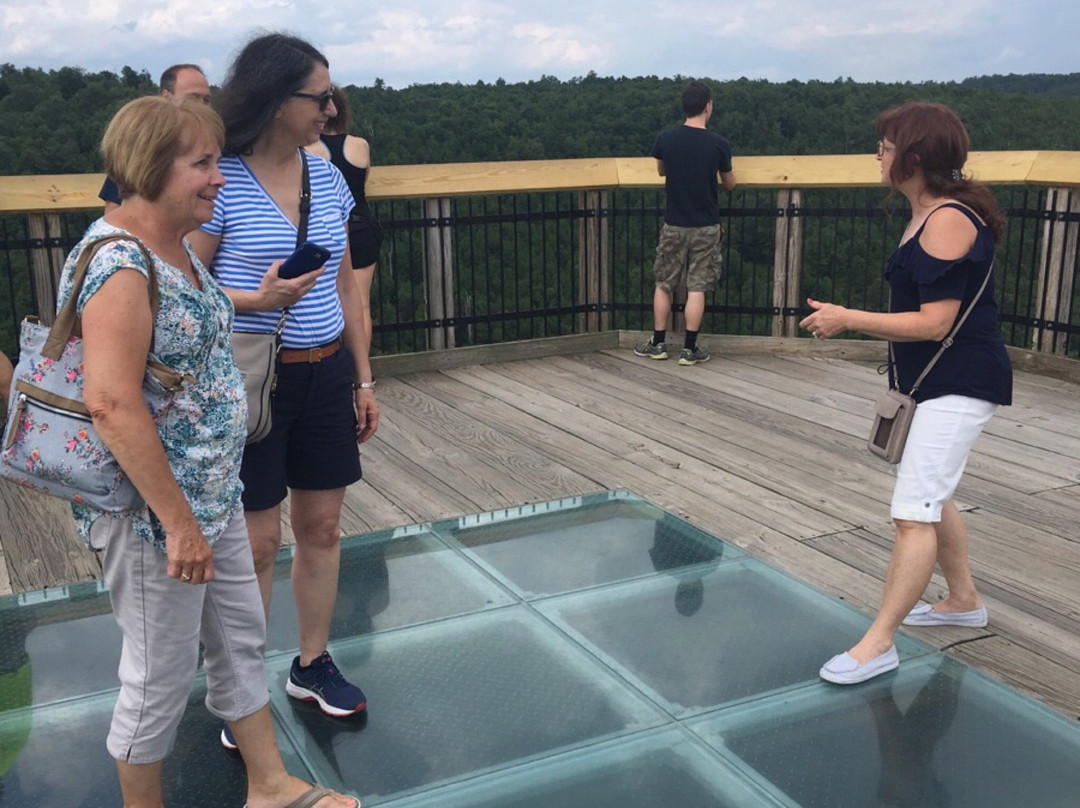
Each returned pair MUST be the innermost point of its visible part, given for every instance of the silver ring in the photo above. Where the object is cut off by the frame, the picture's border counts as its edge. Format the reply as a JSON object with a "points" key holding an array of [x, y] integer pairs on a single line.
{"points": [[185, 576]]}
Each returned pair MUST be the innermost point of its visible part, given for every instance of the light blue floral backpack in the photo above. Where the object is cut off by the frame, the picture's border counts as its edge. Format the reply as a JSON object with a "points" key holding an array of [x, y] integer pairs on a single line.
{"points": [[49, 441]]}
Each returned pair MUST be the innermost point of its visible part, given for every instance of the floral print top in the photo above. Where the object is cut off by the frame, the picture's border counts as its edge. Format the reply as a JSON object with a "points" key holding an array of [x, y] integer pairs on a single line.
{"points": [[204, 426]]}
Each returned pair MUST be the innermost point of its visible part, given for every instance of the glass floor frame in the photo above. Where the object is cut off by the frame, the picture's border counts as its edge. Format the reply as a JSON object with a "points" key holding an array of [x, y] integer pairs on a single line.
{"points": [[589, 651]]}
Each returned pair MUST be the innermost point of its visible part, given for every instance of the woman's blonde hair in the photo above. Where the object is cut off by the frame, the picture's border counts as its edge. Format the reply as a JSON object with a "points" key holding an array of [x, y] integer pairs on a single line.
{"points": [[145, 137]]}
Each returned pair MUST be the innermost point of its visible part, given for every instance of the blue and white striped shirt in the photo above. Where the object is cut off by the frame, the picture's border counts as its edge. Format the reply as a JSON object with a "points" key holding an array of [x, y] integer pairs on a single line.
{"points": [[255, 232]]}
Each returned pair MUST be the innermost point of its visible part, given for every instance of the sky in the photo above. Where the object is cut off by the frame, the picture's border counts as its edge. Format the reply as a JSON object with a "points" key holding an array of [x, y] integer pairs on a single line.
{"points": [[408, 42]]}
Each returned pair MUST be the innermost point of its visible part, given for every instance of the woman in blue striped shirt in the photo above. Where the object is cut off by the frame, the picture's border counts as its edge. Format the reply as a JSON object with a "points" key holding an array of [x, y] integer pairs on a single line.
{"points": [[276, 100]]}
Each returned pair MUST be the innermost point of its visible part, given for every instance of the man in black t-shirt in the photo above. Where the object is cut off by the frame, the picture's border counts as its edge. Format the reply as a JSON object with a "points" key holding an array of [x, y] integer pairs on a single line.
{"points": [[177, 82], [693, 162]]}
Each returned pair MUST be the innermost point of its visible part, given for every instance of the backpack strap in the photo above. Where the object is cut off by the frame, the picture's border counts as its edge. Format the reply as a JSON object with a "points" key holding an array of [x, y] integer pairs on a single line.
{"points": [[67, 322]]}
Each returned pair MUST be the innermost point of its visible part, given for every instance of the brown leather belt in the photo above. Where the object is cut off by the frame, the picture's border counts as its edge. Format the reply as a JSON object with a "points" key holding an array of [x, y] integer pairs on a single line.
{"points": [[316, 354]]}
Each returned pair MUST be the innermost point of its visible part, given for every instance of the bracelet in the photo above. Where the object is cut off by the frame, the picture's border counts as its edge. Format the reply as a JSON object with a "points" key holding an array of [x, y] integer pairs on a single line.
{"points": [[364, 385]]}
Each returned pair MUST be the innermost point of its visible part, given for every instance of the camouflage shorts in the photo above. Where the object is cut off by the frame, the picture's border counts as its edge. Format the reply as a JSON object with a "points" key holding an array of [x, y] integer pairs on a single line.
{"points": [[689, 252]]}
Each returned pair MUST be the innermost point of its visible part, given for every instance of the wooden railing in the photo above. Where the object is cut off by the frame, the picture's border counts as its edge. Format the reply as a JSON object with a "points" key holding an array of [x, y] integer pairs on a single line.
{"points": [[43, 199]]}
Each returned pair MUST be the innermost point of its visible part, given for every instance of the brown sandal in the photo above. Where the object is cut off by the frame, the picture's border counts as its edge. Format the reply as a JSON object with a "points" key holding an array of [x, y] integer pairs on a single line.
{"points": [[309, 798]]}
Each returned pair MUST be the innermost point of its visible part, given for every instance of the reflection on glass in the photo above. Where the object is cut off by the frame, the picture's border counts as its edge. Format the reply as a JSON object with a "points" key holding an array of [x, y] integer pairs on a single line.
{"points": [[39, 638], [703, 637], [907, 739], [675, 546], [565, 550], [388, 581]]}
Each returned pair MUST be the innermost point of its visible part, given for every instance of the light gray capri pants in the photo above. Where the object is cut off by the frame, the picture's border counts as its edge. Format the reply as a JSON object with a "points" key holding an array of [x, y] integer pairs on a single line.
{"points": [[163, 619]]}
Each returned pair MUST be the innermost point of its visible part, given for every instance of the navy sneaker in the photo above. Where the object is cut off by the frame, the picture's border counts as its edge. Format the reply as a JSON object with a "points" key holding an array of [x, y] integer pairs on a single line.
{"points": [[322, 682], [227, 739]]}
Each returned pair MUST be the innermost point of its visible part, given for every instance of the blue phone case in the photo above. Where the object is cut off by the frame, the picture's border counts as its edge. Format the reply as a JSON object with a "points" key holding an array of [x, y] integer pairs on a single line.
{"points": [[308, 257]]}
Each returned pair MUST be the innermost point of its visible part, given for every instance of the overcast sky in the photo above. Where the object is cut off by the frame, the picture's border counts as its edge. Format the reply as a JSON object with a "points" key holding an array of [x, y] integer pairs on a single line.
{"points": [[421, 41]]}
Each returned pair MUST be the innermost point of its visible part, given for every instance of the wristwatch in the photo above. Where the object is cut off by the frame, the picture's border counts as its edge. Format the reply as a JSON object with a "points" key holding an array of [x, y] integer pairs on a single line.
{"points": [[364, 385]]}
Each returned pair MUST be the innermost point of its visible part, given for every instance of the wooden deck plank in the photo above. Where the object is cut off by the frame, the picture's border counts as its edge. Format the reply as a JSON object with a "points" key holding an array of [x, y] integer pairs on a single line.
{"points": [[609, 432], [466, 448], [847, 414], [40, 546], [1037, 460], [703, 427], [704, 453], [1009, 616], [1029, 410]]}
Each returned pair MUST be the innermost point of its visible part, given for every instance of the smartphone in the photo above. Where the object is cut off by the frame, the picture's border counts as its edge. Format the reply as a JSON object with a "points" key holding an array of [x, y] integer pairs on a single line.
{"points": [[308, 257]]}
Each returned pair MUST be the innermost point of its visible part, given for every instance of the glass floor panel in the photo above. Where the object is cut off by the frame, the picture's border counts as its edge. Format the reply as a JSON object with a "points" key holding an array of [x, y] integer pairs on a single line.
{"points": [[591, 651], [388, 580], [55, 757], [460, 697], [583, 541], [41, 633], [658, 768], [935, 733], [700, 640]]}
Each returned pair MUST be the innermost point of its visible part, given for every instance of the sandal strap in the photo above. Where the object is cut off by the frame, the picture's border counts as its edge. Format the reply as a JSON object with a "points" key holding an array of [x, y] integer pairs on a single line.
{"points": [[309, 798]]}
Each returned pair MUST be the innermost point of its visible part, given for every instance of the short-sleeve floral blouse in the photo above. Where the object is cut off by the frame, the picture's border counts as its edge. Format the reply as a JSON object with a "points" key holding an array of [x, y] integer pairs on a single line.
{"points": [[203, 427]]}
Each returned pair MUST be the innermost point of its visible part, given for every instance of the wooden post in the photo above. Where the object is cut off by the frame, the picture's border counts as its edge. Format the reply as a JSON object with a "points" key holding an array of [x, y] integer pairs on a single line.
{"points": [[604, 257], [1058, 261], [787, 262], [592, 259], [46, 262], [439, 272]]}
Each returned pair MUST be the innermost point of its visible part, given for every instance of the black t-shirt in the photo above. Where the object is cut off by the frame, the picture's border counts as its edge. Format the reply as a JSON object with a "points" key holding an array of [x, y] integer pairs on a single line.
{"points": [[976, 365], [692, 159], [110, 192]]}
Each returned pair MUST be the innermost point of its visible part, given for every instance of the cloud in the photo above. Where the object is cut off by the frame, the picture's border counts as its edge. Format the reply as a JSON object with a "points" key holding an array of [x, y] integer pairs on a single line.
{"points": [[464, 40], [541, 46]]}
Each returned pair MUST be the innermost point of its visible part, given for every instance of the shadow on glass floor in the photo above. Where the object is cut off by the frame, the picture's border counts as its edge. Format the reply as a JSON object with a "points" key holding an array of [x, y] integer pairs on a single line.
{"points": [[591, 651]]}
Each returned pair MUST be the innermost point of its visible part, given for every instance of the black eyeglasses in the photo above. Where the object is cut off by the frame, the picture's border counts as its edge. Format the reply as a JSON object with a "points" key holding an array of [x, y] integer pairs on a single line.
{"points": [[322, 99], [882, 148]]}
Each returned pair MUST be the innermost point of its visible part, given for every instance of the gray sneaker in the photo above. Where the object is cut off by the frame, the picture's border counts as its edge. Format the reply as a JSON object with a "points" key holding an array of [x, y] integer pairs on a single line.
{"points": [[688, 357], [657, 351]]}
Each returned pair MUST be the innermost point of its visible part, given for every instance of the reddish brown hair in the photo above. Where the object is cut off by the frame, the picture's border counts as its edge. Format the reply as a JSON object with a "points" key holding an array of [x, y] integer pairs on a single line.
{"points": [[932, 139]]}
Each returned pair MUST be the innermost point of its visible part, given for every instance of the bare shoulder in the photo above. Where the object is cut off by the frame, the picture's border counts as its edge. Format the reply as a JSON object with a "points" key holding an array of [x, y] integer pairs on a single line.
{"points": [[357, 151], [318, 148], [948, 234]]}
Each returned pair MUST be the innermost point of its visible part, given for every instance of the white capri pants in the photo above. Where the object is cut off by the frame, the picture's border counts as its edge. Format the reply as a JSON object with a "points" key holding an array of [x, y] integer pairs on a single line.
{"points": [[938, 444], [163, 619]]}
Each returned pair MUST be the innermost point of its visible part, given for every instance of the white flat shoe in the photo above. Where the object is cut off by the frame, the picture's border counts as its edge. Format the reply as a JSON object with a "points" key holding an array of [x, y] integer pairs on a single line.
{"points": [[842, 669], [924, 615]]}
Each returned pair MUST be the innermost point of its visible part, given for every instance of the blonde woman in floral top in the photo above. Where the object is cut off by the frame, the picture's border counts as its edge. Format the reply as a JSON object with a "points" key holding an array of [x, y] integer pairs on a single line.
{"points": [[179, 571]]}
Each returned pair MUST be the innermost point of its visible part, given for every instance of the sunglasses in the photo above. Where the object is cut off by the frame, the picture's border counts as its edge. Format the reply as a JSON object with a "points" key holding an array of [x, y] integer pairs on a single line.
{"points": [[322, 99]]}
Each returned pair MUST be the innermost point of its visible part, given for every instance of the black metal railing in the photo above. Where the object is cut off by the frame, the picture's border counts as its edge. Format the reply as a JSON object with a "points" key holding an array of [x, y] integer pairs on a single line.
{"points": [[488, 269]]}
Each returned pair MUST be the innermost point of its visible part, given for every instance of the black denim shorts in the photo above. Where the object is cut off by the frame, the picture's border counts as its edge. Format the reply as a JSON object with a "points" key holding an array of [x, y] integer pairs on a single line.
{"points": [[312, 444]]}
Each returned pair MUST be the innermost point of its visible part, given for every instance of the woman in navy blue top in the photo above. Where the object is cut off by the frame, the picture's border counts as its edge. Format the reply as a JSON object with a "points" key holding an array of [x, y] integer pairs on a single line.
{"points": [[936, 273]]}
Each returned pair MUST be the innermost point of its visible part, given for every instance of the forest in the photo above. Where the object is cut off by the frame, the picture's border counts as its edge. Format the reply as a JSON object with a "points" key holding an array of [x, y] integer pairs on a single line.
{"points": [[515, 257], [51, 121]]}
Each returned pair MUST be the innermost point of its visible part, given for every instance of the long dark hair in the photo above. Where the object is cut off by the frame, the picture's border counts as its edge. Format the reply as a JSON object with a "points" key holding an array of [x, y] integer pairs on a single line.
{"points": [[931, 138], [264, 76], [340, 123]]}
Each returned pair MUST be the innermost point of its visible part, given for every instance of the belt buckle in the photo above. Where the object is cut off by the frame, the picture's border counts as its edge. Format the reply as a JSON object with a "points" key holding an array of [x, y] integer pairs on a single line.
{"points": [[315, 354]]}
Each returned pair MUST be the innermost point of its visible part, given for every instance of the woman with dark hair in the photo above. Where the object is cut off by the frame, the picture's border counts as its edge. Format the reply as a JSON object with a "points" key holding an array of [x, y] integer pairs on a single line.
{"points": [[942, 267], [276, 99], [352, 156]]}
